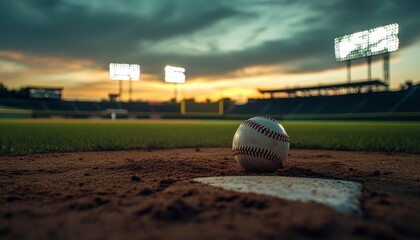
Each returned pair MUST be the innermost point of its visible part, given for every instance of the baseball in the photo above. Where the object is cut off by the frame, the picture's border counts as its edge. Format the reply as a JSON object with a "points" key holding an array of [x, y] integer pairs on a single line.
{"points": [[260, 144]]}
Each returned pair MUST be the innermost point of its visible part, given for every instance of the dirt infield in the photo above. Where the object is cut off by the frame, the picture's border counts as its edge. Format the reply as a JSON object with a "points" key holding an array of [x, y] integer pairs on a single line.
{"points": [[150, 195]]}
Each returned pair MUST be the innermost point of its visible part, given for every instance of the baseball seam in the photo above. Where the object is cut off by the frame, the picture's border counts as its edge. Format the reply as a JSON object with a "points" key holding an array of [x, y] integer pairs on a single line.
{"points": [[259, 152], [269, 118], [268, 132]]}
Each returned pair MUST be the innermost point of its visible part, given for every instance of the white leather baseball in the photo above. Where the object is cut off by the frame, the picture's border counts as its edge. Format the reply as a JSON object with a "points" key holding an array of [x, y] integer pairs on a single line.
{"points": [[260, 144]]}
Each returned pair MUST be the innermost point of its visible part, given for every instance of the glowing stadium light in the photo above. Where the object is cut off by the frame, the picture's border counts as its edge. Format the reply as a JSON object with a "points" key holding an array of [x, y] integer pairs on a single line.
{"points": [[174, 74], [134, 72], [367, 43], [124, 71]]}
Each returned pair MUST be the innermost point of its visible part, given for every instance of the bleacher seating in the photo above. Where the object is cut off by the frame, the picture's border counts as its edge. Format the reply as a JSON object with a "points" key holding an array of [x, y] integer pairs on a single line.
{"points": [[23, 104], [110, 105], [136, 106], [411, 103], [403, 101], [59, 105], [372, 102], [87, 106], [165, 108]]}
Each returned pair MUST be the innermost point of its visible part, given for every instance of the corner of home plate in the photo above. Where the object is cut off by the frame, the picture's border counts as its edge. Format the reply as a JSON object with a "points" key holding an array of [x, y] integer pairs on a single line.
{"points": [[337, 194]]}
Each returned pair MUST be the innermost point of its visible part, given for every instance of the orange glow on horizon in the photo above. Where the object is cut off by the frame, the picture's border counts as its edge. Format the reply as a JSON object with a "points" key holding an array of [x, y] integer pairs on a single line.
{"points": [[84, 79]]}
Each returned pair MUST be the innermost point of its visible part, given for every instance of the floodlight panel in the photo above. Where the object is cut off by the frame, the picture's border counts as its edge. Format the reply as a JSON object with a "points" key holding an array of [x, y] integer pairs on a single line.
{"points": [[118, 71], [367, 43], [174, 74], [124, 71], [134, 72]]}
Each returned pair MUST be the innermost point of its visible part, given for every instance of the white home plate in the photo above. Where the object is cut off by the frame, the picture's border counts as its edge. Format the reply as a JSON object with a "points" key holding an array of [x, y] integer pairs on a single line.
{"points": [[337, 194]]}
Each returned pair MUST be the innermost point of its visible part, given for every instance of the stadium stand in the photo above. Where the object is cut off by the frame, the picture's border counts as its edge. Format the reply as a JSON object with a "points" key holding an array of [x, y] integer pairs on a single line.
{"points": [[110, 105], [410, 101], [87, 106], [60, 105], [373, 102], [23, 104], [136, 106], [354, 87], [404, 102], [204, 107], [165, 107]]}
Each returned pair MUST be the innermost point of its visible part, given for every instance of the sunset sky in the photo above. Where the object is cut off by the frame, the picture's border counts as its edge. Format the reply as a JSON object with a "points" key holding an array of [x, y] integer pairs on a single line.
{"points": [[229, 48]]}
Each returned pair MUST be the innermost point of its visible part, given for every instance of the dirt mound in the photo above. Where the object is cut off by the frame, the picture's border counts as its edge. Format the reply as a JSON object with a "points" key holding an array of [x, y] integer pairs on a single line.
{"points": [[150, 195]]}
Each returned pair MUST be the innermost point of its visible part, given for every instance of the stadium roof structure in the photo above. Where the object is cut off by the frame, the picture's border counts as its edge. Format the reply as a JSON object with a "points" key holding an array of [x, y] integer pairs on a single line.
{"points": [[333, 89]]}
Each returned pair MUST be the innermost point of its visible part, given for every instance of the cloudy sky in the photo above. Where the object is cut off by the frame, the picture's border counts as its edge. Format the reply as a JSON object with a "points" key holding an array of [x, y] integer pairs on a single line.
{"points": [[229, 48]]}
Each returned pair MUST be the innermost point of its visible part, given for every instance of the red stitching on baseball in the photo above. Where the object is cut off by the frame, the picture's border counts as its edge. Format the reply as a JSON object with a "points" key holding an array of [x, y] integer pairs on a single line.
{"points": [[268, 132], [258, 152]]}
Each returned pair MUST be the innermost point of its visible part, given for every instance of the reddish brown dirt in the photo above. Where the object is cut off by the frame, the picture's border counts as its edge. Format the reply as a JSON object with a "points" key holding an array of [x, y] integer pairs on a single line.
{"points": [[150, 195]]}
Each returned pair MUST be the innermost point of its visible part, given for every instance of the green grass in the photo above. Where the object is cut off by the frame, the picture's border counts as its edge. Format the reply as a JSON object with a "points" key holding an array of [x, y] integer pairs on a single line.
{"points": [[358, 136], [24, 137]]}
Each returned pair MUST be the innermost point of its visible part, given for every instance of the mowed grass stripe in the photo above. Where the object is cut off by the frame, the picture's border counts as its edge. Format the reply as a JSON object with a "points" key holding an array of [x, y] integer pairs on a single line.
{"points": [[25, 137]]}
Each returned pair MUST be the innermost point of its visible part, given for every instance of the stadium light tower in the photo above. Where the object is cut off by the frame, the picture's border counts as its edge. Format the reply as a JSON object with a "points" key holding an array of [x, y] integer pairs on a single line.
{"points": [[174, 75], [124, 72], [365, 44]]}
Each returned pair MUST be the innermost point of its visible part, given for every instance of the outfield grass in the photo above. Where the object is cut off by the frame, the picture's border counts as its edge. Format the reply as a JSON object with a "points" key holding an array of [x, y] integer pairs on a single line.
{"points": [[359, 136], [25, 136]]}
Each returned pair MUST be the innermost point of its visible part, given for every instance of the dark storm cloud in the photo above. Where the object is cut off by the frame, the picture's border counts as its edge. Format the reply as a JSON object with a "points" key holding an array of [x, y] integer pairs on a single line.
{"points": [[271, 52], [63, 28], [313, 50]]}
